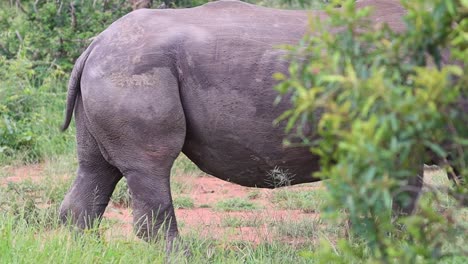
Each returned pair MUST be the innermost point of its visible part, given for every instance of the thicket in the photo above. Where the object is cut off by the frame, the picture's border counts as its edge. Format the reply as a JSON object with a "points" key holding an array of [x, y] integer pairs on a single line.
{"points": [[38, 45], [388, 101]]}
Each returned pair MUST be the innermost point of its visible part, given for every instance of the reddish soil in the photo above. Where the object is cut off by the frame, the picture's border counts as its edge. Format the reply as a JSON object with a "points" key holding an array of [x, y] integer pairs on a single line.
{"points": [[18, 174], [256, 226], [204, 220]]}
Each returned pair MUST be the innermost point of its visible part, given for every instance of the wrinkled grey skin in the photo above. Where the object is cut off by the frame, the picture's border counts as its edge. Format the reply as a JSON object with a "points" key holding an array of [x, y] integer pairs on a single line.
{"points": [[160, 82]]}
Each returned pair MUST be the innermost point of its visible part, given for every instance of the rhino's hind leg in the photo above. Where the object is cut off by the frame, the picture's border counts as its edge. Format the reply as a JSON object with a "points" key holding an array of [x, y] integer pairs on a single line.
{"points": [[147, 166], [89, 195], [140, 123], [153, 212]]}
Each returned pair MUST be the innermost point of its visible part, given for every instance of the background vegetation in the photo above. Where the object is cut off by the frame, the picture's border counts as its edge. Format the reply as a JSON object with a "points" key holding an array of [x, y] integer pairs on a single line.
{"points": [[379, 116], [389, 101], [39, 42]]}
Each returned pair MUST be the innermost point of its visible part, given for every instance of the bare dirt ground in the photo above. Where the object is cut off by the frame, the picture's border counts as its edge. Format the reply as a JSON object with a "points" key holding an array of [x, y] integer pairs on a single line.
{"points": [[18, 174], [205, 219], [254, 226]]}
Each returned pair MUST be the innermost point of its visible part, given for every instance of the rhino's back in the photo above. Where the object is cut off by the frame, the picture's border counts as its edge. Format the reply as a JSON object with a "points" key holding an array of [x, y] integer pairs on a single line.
{"points": [[227, 92]]}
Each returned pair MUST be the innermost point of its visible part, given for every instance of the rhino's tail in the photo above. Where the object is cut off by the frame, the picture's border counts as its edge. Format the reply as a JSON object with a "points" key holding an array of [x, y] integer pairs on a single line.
{"points": [[74, 86]]}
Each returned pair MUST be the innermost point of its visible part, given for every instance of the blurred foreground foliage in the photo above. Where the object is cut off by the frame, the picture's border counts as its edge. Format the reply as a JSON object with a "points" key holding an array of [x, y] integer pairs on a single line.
{"points": [[382, 103]]}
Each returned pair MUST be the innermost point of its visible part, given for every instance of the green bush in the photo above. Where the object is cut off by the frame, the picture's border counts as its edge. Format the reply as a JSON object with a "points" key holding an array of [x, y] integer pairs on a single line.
{"points": [[30, 115], [39, 43], [387, 103], [54, 32]]}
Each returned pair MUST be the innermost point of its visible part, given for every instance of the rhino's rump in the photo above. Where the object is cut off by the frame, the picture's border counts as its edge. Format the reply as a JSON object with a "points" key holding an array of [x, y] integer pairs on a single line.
{"points": [[223, 60]]}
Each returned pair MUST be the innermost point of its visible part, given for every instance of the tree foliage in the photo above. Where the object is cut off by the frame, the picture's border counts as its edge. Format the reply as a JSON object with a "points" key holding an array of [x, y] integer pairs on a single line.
{"points": [[39, 42], [387, 103]]}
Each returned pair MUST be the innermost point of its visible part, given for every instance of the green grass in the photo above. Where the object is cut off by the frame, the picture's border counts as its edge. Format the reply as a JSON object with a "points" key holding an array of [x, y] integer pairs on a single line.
{"points": [[183, 202], [30, 231], [23, 242], [232, 221], [304, 228], [121, 194], [236, 204], [184, 166], [254, 194], [179, 186], [309, 201]]}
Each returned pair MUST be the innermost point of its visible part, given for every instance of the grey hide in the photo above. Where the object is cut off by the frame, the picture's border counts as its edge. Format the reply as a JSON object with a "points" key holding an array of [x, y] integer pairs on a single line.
{"points": [[199, 81]]}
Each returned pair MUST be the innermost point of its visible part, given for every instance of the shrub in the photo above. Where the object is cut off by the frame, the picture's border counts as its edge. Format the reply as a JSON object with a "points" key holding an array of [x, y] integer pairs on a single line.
{"points": [[39, 42], [387, 104]]}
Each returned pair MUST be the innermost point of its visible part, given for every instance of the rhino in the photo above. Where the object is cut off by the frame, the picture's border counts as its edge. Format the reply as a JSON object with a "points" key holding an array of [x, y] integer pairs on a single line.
{"points": [[198, 81]]}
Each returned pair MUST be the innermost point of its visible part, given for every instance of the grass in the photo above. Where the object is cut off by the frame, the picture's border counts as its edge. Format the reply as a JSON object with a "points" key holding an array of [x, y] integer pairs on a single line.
{"points": [[232, 221], [30, 232], [236, 204], [183, 202], [303, 228], [184, 166], [24, 242], [307, 201], [254, 194], [121, 194], [178, 186]]}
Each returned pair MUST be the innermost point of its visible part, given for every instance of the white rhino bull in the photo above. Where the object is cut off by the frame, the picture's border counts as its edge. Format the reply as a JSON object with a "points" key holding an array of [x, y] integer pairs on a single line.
{"points": [[199, 81]]}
